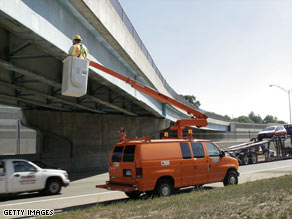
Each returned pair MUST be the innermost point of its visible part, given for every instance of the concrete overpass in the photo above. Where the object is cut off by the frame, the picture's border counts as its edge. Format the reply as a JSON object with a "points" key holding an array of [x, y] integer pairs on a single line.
{"points": [[78, 133]]}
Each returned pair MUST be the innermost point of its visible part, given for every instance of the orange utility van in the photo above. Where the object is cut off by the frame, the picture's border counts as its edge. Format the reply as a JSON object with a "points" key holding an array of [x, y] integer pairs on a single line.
{"points": [[160, 166]]}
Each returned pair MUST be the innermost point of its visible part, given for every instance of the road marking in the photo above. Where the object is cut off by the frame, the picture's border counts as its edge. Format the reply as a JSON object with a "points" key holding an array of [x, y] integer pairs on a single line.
{"points": [[55, 199], [266, 169]]}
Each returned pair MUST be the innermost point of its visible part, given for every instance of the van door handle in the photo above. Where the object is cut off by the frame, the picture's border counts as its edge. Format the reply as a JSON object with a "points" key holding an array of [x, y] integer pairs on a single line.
{"points": [[17, 175], [195, 167]]}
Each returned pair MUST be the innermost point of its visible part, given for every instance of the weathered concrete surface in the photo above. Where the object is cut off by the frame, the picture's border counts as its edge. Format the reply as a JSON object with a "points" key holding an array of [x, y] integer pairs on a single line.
{"points": [[80, 142]]}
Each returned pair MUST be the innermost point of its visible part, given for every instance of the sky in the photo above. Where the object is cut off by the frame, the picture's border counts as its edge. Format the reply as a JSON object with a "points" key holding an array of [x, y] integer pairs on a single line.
{"points": [[224, 52]]}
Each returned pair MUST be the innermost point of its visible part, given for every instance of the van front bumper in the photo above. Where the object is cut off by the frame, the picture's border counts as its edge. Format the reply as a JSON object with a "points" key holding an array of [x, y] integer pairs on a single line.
{"points": [[118, 187]]}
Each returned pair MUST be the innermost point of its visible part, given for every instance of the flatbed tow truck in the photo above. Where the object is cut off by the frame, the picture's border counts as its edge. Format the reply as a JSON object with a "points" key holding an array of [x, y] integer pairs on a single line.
{"points": [[250, 152]]}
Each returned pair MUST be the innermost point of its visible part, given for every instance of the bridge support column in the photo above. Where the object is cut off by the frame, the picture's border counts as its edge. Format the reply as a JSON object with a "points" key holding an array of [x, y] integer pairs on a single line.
{"points": [[82, 142]]}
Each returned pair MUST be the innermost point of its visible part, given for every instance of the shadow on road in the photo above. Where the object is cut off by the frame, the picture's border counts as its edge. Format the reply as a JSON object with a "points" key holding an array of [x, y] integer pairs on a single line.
{"points": [[77, 176], [23, 196]]}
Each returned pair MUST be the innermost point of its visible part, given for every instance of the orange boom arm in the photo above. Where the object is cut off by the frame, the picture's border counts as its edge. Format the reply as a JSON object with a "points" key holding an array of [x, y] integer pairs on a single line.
{"points": [[198, 119]]}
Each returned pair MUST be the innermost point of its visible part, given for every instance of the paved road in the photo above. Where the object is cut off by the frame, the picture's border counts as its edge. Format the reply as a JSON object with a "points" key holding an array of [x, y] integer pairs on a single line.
{"points": [[82, 193]]}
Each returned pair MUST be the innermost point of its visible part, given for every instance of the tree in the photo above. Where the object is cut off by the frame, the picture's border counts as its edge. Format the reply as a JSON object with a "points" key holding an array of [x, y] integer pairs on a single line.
{"points": [[270, 119], [254, 118], [227, 118], [192, 99], [243, 119]]}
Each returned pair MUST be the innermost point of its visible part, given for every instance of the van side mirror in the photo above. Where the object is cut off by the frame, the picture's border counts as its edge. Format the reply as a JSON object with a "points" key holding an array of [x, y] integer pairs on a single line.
{"points": [[222, 154]]}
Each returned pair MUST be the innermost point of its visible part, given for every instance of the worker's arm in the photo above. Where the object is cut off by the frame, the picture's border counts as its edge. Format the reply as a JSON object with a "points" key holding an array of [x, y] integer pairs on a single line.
{"points": [[85, 50]]}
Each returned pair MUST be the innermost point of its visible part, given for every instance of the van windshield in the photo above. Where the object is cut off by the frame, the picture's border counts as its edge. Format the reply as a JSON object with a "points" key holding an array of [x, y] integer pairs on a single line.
{"points": [[117, 154]]}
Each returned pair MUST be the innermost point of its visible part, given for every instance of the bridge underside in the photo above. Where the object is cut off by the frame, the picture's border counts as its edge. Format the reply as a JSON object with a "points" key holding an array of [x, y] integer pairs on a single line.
{"points": [[76, 134], [31, 77]]}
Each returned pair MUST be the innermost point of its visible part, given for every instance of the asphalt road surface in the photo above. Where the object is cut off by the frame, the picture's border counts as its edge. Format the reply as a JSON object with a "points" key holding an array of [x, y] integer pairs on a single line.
{"points": [[82, 193]]}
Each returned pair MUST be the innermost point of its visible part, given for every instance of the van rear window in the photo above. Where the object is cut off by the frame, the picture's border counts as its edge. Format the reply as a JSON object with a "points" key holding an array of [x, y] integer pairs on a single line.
{"points": [[185, 151], [117, 154], [129, 153]]}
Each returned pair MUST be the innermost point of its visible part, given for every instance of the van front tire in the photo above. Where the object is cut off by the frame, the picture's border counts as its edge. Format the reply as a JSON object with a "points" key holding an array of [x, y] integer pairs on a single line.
{"points": [[164, 188], [230, 178]]}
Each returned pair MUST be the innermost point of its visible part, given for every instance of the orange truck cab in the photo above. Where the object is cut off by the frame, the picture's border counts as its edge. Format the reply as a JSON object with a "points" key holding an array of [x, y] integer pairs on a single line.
{"points": [[160, 166]]}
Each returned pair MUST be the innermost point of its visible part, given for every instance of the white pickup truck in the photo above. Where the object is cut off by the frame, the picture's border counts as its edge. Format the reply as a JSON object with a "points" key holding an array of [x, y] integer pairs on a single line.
{"points": [[18, 176]]}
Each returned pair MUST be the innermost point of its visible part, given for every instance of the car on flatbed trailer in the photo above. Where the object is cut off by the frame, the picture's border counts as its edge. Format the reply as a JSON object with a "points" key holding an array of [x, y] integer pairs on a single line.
{"points": [[272, 131]]}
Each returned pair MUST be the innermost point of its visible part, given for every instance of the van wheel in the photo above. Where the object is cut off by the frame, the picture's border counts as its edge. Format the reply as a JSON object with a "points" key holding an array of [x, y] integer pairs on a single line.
{"points": [[164, 188], [230, 178], [133, 195], [53, 187]]}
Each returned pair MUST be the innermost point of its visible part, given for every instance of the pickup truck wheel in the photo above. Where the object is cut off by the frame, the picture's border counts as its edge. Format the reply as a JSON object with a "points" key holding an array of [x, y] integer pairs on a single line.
{"points": [[53, 187], [133, 195], [230, 178], [164, 188]]}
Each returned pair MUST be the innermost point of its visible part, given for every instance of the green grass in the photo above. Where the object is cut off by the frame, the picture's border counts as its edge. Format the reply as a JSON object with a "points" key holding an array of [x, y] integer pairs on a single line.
{"points": [[269, 198]]}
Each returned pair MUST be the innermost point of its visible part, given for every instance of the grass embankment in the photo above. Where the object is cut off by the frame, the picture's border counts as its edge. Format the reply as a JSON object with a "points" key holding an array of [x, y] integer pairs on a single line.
{"points": [[269, 198]]}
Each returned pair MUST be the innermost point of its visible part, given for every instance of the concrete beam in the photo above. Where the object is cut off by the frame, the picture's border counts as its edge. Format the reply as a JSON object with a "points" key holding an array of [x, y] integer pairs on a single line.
{"points": [[37, 93], [35, 76], [37, 103]]}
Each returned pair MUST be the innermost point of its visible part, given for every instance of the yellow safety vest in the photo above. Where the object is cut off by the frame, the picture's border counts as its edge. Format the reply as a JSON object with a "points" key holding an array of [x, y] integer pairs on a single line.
{"points": [[80, 51]]}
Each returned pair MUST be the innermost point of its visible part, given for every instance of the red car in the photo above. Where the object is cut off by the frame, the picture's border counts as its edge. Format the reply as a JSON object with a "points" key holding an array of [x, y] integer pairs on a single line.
{"points": [[272, 131]]}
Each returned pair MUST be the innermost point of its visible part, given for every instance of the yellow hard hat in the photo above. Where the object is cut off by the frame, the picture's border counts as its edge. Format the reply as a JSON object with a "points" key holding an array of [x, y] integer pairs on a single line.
{"points": [[77, 37]]}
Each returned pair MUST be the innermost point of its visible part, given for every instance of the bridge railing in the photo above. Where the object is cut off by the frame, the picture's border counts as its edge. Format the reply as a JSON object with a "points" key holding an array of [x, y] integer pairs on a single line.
{"points": [[117, 6]]}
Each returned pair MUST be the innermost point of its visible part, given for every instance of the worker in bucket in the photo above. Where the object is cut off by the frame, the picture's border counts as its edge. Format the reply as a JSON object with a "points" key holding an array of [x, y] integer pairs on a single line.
{"points": [[78, 49]]}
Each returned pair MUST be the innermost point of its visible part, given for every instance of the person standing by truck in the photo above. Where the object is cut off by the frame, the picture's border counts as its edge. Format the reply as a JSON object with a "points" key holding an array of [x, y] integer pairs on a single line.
{"points": [[78, 49]]}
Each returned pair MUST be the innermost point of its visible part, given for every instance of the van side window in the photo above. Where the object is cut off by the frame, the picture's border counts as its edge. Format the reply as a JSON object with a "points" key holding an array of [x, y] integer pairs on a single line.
{"points": [[185, 151], [117, 154], [129, 153], [198, 150], [213, 151]]}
